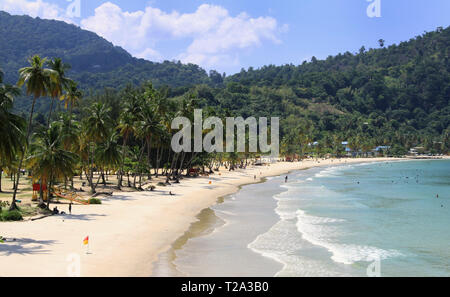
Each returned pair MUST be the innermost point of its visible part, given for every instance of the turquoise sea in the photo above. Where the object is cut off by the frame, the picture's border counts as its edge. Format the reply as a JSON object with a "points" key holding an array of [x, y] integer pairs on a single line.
{"points": [[330, 221]]}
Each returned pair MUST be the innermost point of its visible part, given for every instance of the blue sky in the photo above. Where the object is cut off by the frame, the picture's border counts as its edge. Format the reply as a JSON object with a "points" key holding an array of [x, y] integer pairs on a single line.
{"points": [[228, 35]]}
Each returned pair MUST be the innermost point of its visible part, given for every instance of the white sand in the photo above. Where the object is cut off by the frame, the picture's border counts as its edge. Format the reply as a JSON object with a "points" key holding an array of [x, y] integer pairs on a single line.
{"points": [[128, 231]]}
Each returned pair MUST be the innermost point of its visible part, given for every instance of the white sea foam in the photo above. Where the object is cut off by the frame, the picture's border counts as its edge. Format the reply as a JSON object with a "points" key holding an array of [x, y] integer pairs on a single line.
{"points": [[332, 171], [324, 231]]}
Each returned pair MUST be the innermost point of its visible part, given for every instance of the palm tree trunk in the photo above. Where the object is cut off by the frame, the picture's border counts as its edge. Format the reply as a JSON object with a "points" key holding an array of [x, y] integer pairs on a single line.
{"points": [[103, 178], [158, 160], [174, 161], [139, 162], [166, 168], [50, 113], [149, 145], [49, 191], [1, 173], [181, 165], [90, 176], [188, 165], [119, 183], [41, 203], [27, 139]]}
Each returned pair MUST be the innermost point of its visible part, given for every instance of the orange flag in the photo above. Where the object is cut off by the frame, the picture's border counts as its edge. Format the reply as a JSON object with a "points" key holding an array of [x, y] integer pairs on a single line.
{"points": [[86, 240]]}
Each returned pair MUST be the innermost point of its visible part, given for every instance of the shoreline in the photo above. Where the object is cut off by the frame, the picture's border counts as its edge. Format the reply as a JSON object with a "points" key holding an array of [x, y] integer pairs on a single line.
{"points": [[204, 226], [129, 231]]}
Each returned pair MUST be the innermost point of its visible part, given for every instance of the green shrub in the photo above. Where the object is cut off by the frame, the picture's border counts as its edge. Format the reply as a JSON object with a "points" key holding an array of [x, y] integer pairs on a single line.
{"points": [[95, 201], [14, 215]]}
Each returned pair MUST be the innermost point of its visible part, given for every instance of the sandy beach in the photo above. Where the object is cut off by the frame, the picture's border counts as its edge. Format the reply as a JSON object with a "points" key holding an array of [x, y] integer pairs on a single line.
{"points": [[129, 230]]}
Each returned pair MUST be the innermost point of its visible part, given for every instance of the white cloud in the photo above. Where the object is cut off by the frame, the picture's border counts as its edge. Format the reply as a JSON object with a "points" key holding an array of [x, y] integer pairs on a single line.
{"points": [[36, 8], [150, 54], [215, 36]]}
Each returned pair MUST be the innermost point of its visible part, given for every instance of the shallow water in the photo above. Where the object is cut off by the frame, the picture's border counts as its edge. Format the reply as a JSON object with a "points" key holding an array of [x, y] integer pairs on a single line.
{"points": [[331, 221]]}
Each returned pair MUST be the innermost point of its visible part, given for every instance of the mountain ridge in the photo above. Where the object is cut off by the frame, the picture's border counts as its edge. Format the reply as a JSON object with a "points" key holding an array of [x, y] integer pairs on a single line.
{"points": [[87, 53]]}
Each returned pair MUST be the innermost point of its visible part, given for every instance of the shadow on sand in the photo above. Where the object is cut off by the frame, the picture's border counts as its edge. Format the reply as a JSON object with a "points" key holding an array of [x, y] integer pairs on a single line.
{"points": [[24, 246]]}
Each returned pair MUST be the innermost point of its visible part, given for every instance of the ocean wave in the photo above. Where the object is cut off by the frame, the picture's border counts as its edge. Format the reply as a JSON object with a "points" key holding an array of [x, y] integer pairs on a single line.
{"points": [[323, 232], [282, 244], [332, 171]]}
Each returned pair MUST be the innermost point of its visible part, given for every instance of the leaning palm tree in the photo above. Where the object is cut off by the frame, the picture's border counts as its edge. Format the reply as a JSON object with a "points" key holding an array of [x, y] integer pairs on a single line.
{"points": [[48, 158], [37, 80], [59, 84], [11, 127]]}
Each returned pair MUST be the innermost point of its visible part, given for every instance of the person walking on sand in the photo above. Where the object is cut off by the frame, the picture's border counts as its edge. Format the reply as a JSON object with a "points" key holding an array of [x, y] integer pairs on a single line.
{"points": [[70, 207]]}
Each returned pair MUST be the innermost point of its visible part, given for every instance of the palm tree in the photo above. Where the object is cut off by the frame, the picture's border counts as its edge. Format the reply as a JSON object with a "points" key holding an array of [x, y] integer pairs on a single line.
{"points": [[48, 158], [107, 154], [70, 130], [72, 97], [37, 80], [148, 121], [60, 83], [96, 127], [11, 125], [126, 128]]}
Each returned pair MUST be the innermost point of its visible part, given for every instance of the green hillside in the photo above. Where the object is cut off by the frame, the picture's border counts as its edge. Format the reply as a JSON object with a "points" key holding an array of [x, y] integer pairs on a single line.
{"points": [[398, 94], [96, 63]]}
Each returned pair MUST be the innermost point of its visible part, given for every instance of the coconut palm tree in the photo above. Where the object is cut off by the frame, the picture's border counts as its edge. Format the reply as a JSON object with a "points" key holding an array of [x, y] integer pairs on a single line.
{"points": [[48, 158], [107, 154], [147, 125], [96, 130], [11, 126], [37, 80], [72, 97], [70, 130], [60, 83], [126, 128]]}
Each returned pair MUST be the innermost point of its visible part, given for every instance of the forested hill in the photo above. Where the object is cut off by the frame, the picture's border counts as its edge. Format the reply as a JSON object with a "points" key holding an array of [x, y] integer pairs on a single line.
{"points": [[409, 76], [96, 63], [399, 94]]}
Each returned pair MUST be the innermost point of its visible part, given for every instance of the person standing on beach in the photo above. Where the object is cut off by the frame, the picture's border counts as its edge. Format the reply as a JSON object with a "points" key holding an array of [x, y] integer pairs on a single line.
{"points": [[286, 179], [70, 207]]}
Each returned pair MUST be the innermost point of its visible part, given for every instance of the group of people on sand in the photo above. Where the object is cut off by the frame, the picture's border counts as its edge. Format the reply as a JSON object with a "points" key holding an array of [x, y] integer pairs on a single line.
{"points": [[57, 212]]}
